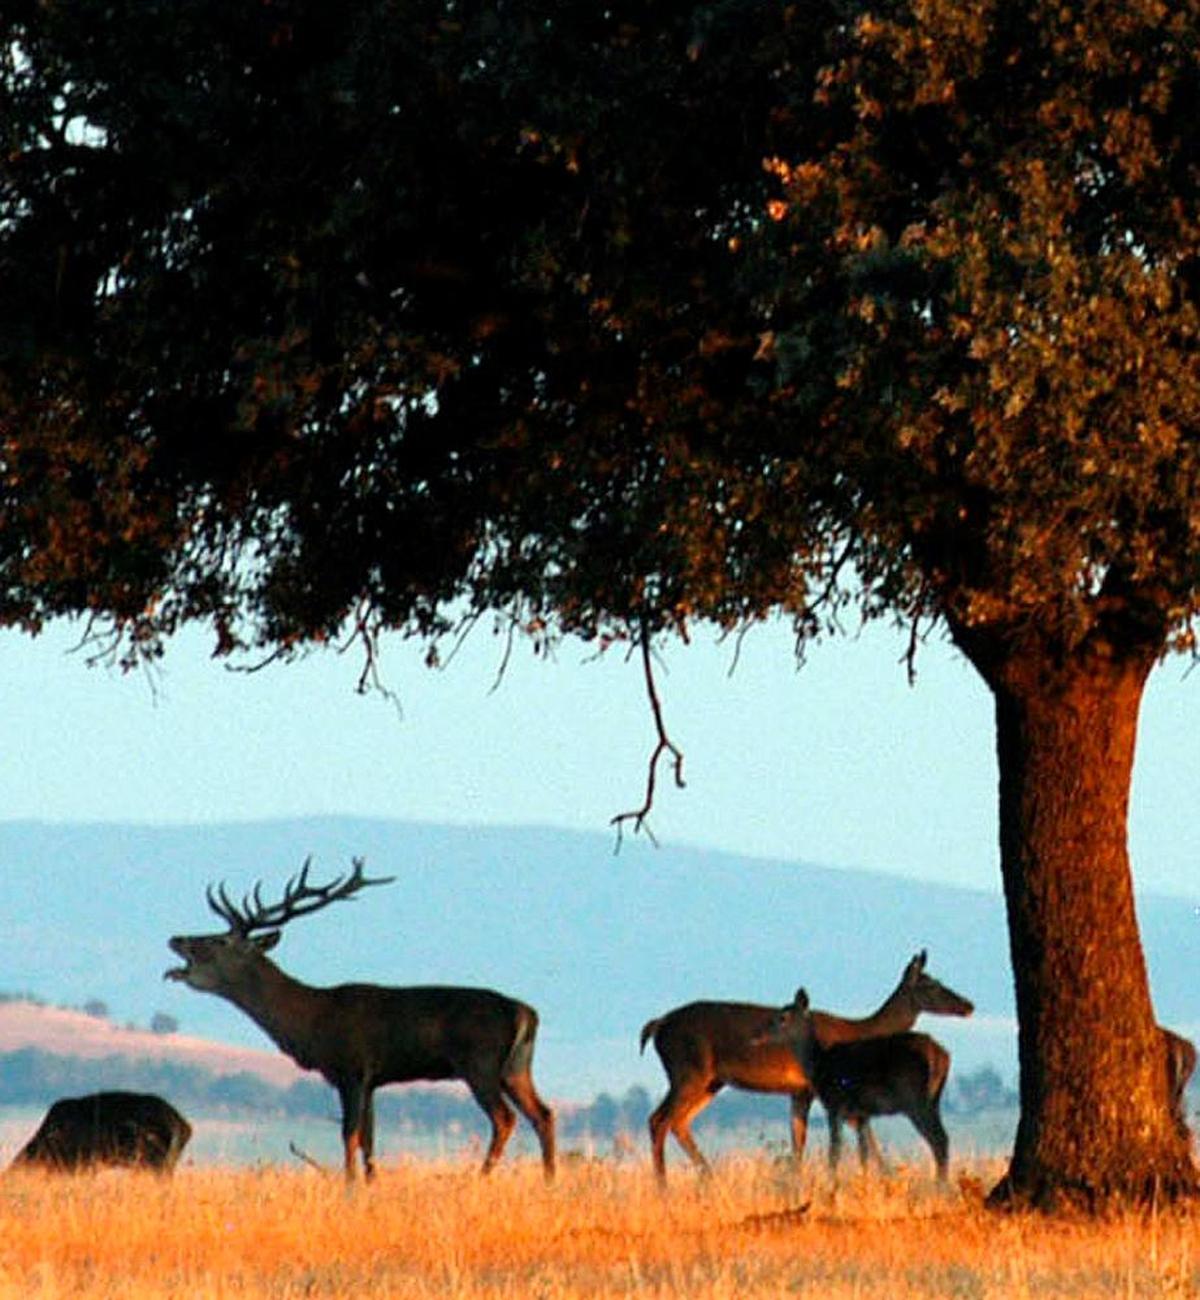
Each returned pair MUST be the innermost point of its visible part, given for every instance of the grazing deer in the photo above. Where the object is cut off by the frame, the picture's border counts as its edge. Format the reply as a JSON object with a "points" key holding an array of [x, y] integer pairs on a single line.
{"points": [[898, 1074], [361, 1036], [705, 1046], [107, 1128]]}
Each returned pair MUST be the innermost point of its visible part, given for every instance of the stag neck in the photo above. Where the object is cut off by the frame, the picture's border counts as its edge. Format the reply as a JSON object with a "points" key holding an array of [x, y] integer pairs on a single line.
{"points": [[279, 1004]]}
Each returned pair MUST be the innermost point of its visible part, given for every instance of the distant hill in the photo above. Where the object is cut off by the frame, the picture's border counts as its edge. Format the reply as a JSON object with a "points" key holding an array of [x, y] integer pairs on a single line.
{"points": [[63, 1032], [598, 942]]}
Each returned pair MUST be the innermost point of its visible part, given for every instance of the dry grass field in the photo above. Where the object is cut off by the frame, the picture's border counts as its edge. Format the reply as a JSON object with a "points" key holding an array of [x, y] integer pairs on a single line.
{"points": [[436, 1229]]}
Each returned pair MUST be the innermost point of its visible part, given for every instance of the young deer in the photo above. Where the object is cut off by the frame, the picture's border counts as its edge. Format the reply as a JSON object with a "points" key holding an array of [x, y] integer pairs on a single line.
{"points": [[898, 1074], [706, 1046], [361, 1036]]}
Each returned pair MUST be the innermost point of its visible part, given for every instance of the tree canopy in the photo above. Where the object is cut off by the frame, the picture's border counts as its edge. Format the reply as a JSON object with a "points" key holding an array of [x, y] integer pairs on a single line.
{"points": [[316, 316], [999, 250], [611, 320]]}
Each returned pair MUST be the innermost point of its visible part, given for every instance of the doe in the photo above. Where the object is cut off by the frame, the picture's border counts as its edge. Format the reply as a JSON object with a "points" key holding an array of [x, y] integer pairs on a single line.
{"points": [[897, 1074]]}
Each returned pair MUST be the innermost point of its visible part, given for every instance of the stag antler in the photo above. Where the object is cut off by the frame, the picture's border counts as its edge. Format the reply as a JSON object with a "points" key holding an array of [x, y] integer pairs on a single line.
{"points": [[299, 899]]}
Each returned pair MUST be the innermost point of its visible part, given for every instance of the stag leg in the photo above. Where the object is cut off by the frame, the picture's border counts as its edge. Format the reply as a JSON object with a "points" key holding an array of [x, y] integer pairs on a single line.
{"points": [[366, 1130], [520, 1090], [357, 1126], [674, 1115], [801, 1104], [501, 1115]]}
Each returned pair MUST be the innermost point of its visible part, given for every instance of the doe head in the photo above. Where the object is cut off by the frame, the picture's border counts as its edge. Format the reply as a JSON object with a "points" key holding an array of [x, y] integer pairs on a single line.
{"points": [[929, 994], [789, 1024]]}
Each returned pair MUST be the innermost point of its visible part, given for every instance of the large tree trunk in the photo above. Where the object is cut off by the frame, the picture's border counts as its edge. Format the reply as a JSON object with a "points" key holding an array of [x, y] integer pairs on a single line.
{"points": [[1095, 1125]]}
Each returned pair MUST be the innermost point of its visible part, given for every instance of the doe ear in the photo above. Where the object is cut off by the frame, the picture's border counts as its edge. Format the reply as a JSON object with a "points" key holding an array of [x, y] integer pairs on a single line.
{"points": [[916, 966], [800, 1001], [265, 942]]}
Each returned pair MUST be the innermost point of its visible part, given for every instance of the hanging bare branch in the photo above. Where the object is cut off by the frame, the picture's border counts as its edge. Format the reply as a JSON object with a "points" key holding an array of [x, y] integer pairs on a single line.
{"points": [[916, 637], [664, 746], [910, 653]]}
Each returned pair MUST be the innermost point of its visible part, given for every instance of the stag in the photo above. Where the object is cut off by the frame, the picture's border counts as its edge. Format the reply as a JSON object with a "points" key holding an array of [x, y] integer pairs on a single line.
{"points": [[107, 1128], [897, 1074], [362, 1036], [705, 1046]]}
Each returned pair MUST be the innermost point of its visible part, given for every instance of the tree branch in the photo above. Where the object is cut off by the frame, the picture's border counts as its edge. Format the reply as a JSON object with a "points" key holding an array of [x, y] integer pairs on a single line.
{"points": [[664, 746]]}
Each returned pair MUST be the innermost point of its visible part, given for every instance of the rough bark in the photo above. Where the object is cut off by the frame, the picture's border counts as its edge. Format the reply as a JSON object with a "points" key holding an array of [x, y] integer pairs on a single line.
{"points": [[1095, 1126]]}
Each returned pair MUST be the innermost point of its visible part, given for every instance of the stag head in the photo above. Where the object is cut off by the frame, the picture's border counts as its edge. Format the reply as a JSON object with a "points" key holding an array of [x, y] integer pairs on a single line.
{"points": [[213, 963]]}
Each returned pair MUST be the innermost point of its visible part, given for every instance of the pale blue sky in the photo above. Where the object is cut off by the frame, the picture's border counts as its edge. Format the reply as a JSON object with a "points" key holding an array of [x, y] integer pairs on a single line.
{"points": [[841, 763]]}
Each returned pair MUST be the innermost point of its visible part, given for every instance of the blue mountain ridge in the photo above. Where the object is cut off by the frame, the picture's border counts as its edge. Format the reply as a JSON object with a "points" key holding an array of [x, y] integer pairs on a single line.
{"points": [[599, 941]]}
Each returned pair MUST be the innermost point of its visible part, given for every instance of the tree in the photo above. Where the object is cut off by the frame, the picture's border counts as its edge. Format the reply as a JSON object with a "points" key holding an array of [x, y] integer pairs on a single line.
{"points": [[981, 1090], [998, 243], [161, 1022], [388, 315]]}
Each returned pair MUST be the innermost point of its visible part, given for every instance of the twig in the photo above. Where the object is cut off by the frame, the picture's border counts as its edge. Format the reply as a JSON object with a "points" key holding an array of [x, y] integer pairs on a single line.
{"points": [[915, 638], [910, 654], [369, 679], [301, 1154], [665, 746], [279, 654], [464, 629], [506, 658]]}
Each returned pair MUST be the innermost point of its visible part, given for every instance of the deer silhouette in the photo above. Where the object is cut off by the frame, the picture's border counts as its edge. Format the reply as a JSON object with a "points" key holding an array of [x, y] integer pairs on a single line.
{"points": [[361, 1036]]}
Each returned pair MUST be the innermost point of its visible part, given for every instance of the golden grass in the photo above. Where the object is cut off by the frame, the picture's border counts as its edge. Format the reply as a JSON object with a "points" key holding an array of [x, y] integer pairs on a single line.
{"points": [[436, 1229]]}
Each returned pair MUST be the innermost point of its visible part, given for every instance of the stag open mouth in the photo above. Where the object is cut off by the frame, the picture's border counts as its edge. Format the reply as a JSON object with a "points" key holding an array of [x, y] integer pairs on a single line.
{"points": [[176, 945]]}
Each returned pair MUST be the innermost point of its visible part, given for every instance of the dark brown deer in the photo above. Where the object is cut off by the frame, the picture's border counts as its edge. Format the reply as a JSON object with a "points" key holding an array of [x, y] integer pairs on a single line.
{"points": [[107, 1128], [1181, 1065], [897, 1074], [361, 1036], [706, 1046]]}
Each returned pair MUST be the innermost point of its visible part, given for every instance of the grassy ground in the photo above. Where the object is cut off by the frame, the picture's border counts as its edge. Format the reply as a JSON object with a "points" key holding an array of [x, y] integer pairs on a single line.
{"points": [[436, 1229]]}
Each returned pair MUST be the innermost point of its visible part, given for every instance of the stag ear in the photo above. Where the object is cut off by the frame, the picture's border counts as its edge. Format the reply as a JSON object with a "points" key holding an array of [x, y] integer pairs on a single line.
{"points": [[265, 942], [800, 1001]]}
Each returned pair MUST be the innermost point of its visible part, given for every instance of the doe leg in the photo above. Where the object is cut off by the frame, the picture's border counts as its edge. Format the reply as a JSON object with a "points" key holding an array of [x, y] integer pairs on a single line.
{"points": [[674, 1115], [835, 1141], [929, 1125], [868, 1146], [801, 1104]]}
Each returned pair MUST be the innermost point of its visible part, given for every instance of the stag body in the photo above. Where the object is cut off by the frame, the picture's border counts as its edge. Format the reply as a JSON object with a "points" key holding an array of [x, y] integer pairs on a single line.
{"points": [[135, 1129], [362, 1036], [706, 1046], [898, 1074]]}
